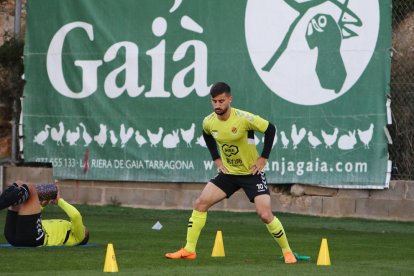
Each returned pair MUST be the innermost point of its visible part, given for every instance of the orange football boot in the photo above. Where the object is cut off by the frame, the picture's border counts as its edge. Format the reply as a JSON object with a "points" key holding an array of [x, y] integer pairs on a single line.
{"points": [[289, 258], [184, 254]]}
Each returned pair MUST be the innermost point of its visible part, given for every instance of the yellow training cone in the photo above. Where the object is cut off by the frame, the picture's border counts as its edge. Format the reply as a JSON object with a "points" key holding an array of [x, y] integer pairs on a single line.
{"points": [[110, 260], [323, 257], [218, 249]]}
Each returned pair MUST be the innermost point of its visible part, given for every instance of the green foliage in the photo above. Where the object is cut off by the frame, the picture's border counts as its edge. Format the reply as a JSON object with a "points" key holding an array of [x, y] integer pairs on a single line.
{"points": [[357, 247]]}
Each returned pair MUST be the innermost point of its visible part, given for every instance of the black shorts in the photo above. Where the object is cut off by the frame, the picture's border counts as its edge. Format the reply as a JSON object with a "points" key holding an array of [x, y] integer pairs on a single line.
{"points": [[24, 230], [252, 184]]}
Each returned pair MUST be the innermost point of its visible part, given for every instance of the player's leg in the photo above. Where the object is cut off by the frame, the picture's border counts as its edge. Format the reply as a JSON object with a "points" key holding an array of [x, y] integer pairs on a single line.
{"points": [[210, 195], [28, 223], [15, 194], [274, 226], [257, 190], [32, 204], [10, 226]]}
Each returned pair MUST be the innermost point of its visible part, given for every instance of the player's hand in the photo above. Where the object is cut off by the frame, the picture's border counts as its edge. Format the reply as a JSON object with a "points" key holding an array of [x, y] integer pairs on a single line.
{"points": [[55, 201], [219, 165], [259, 166]]}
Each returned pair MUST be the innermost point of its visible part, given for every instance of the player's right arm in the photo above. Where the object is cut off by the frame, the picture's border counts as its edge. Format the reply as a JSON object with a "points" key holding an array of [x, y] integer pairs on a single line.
{"points": [[212, 147]]}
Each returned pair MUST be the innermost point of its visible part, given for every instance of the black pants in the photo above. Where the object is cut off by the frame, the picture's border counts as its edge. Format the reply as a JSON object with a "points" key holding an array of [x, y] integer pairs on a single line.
{"points": [[24, 230]]}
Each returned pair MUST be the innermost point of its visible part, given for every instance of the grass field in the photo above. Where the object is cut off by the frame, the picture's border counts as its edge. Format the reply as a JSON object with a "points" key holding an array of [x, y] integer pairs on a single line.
{"points": [[356, 247]]}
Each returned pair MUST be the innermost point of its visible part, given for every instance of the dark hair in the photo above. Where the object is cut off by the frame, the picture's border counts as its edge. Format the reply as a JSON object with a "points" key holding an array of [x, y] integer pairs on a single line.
{"points": [[86, 239], [219, 88]]}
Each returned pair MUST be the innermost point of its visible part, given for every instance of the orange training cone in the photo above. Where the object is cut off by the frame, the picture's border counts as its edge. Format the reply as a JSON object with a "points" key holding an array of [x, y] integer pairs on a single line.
{"points": [[323, 257], [110, 260], [218, 249]]}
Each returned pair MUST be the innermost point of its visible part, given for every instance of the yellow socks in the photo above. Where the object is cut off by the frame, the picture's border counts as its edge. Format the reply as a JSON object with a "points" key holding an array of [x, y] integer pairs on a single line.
{"points": [[195, 225], [276, 229]]}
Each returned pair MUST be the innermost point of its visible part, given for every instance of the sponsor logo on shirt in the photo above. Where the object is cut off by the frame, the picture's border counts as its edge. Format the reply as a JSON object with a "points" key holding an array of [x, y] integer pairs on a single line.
{"points": [[230, 150]]}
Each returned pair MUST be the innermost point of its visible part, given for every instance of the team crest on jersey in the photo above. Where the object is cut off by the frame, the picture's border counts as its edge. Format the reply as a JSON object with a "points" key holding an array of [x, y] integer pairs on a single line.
{"points": [[234, 130]]}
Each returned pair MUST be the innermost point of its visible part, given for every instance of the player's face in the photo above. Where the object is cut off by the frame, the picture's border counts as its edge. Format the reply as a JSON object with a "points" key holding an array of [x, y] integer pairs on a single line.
{"points": [[221, 103]]}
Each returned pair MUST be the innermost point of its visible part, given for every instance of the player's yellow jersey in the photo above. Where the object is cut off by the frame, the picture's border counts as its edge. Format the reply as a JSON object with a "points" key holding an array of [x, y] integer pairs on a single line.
{"points": [[235, 138], [56, 229]]}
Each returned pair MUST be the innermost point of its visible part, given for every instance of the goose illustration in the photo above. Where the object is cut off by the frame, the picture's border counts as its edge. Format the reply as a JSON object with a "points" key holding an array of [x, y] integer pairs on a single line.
{"points": [[57, 135], [42, 136], [85, 135]]}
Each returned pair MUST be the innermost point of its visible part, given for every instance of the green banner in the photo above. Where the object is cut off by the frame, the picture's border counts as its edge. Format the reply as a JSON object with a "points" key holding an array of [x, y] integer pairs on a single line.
{"points": [[117, 90]]}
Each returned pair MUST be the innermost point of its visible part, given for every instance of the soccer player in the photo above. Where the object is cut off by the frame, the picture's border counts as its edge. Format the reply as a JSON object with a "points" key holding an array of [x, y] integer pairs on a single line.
{"points": [[24, 225], [238, 165]]}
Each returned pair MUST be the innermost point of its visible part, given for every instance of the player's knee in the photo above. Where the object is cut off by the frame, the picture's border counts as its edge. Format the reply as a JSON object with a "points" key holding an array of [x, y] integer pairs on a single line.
{"points": [[201, 204], [265, 215]]}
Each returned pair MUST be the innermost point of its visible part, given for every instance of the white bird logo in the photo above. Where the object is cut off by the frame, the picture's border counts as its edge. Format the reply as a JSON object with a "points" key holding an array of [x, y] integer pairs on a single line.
{"points": [[140, 139], [200, 141], [125, 135], [113, 138], [85, 135], [188, 135], [102, 135], [313, 140], [41, 137], [72, 137], [366, 135], [297, 136], [155, 138], [329, 139], [285, 140], [57, 135]]}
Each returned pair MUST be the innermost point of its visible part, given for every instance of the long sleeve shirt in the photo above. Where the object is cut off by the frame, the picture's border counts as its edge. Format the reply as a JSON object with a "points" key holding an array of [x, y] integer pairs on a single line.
{"points": [[57, 229]]}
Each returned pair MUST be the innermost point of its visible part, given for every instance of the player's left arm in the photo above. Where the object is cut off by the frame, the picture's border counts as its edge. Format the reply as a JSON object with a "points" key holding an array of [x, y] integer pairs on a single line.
{"points": [[77, 228], [269, 136]]}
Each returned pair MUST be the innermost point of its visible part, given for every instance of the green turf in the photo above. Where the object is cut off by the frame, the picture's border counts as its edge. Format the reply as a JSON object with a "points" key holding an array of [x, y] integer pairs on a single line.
{"points": [[356, 247]]}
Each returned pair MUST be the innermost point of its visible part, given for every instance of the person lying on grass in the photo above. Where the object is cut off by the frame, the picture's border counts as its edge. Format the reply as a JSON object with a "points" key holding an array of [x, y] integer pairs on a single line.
{"points": [[24, 225]]}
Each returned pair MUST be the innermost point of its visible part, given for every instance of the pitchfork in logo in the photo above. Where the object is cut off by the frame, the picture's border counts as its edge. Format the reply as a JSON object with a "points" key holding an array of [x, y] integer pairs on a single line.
{"points": [[322, 28]]}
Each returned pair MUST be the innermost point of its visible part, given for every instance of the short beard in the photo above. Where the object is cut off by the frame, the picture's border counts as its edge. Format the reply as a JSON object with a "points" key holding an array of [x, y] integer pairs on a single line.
{"points": [[221, 112]]}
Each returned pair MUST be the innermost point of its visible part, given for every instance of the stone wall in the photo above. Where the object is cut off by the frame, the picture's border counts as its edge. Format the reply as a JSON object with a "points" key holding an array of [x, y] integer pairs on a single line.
{"points": [[395, 203]]}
